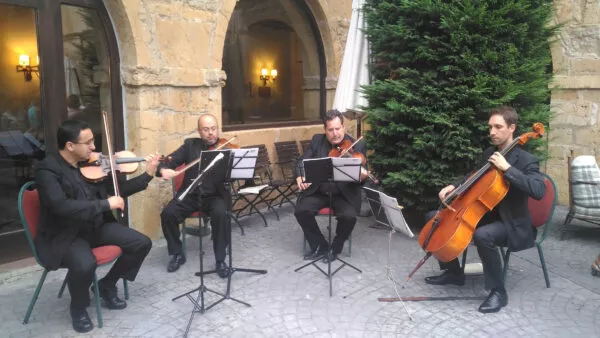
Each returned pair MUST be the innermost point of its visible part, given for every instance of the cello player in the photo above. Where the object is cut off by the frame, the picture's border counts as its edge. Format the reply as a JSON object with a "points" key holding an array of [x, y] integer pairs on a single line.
{"points": [[509, 224]]}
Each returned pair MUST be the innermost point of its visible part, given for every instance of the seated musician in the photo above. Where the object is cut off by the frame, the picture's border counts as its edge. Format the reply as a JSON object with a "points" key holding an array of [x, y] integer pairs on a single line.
{"points": [[209, 198], [346, 195], [75, 217], [509, 224]]}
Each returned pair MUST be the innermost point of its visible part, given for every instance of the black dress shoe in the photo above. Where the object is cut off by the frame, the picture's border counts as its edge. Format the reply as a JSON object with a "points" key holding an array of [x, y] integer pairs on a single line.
{"points": [[494, 302], [446, 278], [222, 269], [317, 254], [330, 256], [81, 320], [108, 293], [177, 261]]}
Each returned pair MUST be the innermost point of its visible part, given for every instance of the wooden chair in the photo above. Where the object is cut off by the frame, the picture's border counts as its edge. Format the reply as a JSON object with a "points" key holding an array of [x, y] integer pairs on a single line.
{"points": [[287, 156], [253, 192], [29, 211]]}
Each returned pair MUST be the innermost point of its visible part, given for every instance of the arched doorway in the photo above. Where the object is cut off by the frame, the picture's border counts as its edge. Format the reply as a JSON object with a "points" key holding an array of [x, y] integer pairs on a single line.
{"points": [[59, 61]]}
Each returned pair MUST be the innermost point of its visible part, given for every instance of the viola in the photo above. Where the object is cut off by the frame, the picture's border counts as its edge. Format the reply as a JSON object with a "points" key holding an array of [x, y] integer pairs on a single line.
{"points": [[449, 233], [220, 144], [346, 149], [98, 167]]}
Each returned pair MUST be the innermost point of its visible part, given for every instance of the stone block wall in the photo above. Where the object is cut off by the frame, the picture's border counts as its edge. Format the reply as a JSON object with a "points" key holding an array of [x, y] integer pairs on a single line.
{"points": [[576, 89]]}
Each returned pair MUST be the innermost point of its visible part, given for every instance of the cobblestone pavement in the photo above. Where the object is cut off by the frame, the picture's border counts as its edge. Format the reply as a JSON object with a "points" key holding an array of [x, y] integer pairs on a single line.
{"points": [[297, 304]]}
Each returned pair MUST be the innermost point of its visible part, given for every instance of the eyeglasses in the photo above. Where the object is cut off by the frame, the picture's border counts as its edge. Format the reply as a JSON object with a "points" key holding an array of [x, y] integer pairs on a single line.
{"points": [[88, 143]]}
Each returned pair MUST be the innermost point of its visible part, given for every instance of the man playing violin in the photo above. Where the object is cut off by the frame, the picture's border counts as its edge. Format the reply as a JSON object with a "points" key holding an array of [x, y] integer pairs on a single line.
{"points": [[346, 196], [209, 197], [509, 224], [76, 217]]}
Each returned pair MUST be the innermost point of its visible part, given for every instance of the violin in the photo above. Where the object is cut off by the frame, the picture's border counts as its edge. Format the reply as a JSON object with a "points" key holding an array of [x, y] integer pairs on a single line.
{"points": [[224, 143], [99, 165], [346, 149], [220, 144]]}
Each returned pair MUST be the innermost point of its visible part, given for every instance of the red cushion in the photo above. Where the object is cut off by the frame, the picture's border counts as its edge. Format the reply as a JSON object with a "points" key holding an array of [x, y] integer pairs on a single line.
{"points": [[326, 211], [105, 254], [31, 210], [540, 210]]}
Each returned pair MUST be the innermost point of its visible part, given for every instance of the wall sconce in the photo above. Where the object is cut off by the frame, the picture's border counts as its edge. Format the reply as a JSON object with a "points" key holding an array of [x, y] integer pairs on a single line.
{"points": [[265, 76], [24, 67]]}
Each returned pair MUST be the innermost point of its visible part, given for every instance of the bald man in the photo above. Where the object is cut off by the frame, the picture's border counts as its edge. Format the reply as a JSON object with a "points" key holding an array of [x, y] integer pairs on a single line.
{"points": [[209, 198]]}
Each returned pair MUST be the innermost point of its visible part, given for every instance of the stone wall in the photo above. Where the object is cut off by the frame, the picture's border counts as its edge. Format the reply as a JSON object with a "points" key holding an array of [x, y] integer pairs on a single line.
{"points": [[576, 89], [171, 52]]}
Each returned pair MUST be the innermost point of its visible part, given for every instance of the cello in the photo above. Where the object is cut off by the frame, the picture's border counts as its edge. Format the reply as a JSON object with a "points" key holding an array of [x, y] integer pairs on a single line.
{"points": [[450, 231]]}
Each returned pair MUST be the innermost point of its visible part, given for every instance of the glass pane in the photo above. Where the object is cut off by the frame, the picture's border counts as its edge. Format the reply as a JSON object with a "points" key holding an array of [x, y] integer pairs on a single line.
{"points": [[272, 65], [87, 70], [21, 131]]}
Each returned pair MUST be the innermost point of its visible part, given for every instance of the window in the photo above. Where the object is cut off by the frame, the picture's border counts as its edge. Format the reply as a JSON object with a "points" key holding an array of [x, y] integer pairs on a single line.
{"points": [[53, 52], [274, 61]]}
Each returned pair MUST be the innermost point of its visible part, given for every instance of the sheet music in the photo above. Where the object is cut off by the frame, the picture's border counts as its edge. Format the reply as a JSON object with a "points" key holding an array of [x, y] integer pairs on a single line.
{"points": [[346, 169], [244, 162], [393, 213]]}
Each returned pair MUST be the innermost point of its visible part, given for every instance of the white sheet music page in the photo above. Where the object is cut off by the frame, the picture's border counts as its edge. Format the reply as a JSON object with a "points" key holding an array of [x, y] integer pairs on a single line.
{"points": [[394, 214], [346, 169]]}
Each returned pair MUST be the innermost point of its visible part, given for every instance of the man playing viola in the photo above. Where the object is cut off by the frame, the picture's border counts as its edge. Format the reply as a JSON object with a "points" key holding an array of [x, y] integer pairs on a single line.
{"points": [[209, 198], [346, 196], [509, 224], [75, 217]]}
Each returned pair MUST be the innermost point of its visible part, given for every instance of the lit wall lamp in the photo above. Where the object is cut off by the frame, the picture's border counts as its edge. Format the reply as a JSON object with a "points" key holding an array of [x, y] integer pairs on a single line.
{"points": [[24, 67], [265, 76]]}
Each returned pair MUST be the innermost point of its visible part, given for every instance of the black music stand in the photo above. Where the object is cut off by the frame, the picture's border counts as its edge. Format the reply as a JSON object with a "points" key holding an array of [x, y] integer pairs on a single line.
{"points": [[214, 165], [324, 170]]}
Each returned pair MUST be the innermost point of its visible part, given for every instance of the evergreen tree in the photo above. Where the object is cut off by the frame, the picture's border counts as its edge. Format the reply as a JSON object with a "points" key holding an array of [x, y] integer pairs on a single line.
{"points": [[438, 68]]}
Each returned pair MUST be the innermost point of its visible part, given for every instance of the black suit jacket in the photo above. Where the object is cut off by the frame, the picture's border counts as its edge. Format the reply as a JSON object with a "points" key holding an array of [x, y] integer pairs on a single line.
{"points": [[69, 205], [320, 147], [525, 181], [188, 152]]}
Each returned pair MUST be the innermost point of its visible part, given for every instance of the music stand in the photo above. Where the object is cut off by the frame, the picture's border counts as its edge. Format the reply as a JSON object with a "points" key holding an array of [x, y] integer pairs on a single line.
{"points": [[387, 212], [243, 163], [324, 170], [214, 165]]}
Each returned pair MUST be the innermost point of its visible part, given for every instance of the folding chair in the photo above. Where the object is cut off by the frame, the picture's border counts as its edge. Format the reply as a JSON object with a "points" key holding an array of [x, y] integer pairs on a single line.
{"points": [[304, 144], [541, 215], [29, 211], [287, 156], [252, 192]]}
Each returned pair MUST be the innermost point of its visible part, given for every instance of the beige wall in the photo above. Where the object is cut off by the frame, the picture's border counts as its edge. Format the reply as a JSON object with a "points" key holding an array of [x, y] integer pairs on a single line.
{"points": [[171, 54], [576, 90]]}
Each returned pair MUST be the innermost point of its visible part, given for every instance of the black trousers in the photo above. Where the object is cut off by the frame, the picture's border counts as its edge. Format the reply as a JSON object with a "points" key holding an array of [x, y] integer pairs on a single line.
{"points": [[307, 207], [176, 212], [487, 237], [81, 262]]}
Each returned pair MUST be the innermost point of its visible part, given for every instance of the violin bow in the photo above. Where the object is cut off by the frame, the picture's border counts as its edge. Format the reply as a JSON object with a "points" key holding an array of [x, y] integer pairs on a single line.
{"points": [[111, 158], [194, 162], [350, 147]]}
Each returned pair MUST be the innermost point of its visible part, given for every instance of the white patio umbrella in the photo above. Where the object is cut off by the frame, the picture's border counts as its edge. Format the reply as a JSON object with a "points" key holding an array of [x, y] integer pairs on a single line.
{"points": [[354, 72]]}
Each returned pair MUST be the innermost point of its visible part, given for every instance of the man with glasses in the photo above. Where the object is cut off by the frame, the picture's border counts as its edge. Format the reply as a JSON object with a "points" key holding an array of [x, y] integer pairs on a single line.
{"points": [[75, 216], [209, 197]]}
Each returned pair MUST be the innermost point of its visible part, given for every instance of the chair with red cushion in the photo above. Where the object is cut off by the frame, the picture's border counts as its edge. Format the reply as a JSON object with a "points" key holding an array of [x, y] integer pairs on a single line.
{"points": [[29, 211], [541, 214], [326, 212]]}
